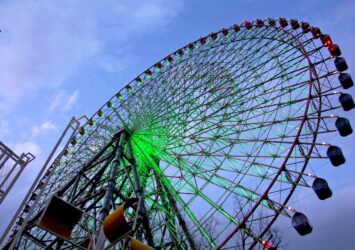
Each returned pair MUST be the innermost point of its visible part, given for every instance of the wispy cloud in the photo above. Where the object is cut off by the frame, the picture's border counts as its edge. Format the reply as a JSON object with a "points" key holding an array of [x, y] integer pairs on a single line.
{"points": [[41, 46], [27, 146], [63, 101], [71, 100], [43, 128]]}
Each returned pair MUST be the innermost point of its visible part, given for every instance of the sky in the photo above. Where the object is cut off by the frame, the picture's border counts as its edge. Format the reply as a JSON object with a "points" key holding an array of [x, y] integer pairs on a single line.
{"points": [[65, 58]]}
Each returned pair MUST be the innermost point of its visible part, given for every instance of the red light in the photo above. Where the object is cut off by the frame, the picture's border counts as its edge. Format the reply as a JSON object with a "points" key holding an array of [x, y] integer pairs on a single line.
{"points": [[326, 40], [266, 244], [334, 50]]}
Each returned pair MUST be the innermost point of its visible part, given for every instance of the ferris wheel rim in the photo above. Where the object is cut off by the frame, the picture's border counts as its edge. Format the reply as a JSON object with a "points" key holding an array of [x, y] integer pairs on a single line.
{"points": [[264, 195], [294, 143]]}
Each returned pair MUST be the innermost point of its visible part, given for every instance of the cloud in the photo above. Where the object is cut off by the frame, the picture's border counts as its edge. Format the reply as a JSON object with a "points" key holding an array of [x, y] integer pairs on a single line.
{"points": [[43, 128], [112, 64], [41, 46], [25, 147], [154, 13], [44, 42], [71, 100], [64, 101]]}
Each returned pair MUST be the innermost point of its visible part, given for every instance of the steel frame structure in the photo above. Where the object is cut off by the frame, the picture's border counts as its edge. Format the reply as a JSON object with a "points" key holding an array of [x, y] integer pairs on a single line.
{"points": [[38, 183], [11, 167], [238, 114]]}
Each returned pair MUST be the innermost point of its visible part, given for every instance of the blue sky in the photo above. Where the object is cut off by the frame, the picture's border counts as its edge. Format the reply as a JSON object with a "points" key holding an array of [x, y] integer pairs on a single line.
{"points": [[65, 58]]}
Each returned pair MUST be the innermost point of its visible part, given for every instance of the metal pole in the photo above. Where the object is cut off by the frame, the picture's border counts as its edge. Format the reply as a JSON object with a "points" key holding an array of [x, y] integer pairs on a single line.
{"points": [[9, 174], [7, 190], [22, 164], [7, 151], [5, 160], [99, 244], [139, 193], [1, 156], [112, 181]]}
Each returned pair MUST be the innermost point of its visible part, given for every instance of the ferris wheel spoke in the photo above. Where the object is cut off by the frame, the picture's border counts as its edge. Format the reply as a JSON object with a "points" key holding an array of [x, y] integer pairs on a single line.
{"points": [[205, 197], [242, 191], [211, 182], [169, 212], [273, 105], [178, 198]]}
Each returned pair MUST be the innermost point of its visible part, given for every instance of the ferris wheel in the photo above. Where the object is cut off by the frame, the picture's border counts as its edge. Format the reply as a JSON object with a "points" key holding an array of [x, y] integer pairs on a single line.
{"points": [[201, 151]]}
